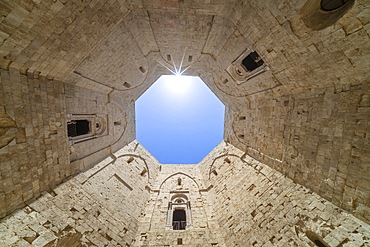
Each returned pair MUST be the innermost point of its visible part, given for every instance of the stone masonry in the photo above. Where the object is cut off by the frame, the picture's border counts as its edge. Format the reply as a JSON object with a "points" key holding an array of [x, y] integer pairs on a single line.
{"points": [[293, 169]]}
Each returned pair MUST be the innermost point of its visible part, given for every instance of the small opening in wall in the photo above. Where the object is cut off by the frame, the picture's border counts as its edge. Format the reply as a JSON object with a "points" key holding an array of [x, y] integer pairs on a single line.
{"points": [[252, 61], [227, 160], [319, 243], [130, 160], [241, 136], [179, 241], [214, 172], [117, 123], [179, 181], [78, 127], [242, 118], [225, 81], [142, 69], [330, 5], [97, 125], [179, 201], [316, 239], [127, 85], [169, 57], [143, 172], [190, 58]]}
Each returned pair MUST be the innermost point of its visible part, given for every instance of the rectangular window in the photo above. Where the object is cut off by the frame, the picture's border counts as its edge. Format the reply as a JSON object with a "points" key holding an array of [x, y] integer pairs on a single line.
{"points": [[252, 61], [78, 127], [179, 219]]}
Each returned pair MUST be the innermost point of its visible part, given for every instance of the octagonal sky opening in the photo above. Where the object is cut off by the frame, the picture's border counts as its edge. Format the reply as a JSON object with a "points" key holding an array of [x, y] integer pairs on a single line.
{"points": [[179, 120]]}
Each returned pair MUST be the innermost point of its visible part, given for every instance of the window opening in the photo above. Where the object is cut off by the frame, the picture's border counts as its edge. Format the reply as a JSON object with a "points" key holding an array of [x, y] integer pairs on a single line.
{"points": [[127, 85], [248, 65], [252, 61], [179, 241], [316, 239], [318, 243], [179, 219], [83, 127], [78, 127], [179, 213], [330, 5]]}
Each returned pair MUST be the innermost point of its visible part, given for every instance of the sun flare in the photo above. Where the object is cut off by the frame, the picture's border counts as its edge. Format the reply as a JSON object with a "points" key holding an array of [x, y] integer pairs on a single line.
{"points": [[178, 85]]}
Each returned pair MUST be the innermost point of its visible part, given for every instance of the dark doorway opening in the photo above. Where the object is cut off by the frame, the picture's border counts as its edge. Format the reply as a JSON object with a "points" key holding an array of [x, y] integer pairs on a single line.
{"points": [[78, 127], [179, 219]]}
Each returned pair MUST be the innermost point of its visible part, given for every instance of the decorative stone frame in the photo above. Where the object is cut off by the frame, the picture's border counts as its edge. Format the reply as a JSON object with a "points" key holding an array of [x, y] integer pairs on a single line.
{"points": [[179, 201], [240, 73], [97, 127], [316, 18]]}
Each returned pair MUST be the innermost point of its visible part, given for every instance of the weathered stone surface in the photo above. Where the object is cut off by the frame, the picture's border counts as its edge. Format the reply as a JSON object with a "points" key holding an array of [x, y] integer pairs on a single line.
{"points": [[302, 126]]}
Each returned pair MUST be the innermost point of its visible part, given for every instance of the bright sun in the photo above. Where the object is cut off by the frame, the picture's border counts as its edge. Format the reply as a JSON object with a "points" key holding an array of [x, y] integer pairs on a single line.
{"points": [[178, 85]]}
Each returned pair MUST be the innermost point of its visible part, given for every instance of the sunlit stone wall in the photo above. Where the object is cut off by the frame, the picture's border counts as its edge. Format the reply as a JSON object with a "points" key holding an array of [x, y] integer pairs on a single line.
{"points": [[256, 205]]}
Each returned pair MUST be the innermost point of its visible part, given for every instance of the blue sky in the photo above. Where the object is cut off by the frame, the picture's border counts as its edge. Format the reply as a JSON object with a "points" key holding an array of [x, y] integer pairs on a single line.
{"points": [[179, 120]]}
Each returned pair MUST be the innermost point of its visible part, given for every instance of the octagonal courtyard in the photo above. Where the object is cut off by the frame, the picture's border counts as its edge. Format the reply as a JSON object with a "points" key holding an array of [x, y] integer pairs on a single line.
{"points": [[179, 120]]}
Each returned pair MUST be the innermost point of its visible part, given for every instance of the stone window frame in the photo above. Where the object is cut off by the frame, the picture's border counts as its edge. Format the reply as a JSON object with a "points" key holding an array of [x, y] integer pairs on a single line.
{"points": [[317, 18], [240, 73], [175, 205], [98, 127]]}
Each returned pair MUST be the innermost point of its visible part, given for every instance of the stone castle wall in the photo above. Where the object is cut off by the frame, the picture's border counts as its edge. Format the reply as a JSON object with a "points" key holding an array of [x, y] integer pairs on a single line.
{"points": [[201, 230], [96, 208], [319, 139], [256, 205], [34, 153]]}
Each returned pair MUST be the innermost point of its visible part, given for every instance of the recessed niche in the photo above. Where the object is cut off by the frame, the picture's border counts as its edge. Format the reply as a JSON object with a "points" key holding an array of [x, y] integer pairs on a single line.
{"points": [[127, 85], [227, 160], [169, 57], [316, 239], [143, 172], [242, 118], [142, 69], [190, 58]]}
